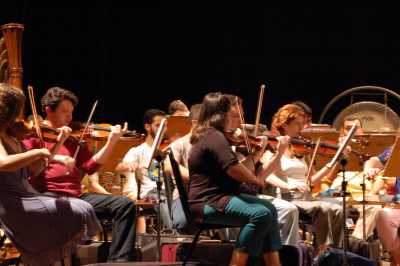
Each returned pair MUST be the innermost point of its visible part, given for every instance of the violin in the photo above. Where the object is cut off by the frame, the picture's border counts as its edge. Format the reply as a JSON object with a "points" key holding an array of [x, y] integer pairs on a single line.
{"points": [[299, 145], [237, 139], [331, 149], [99, 131], [23, 130]]}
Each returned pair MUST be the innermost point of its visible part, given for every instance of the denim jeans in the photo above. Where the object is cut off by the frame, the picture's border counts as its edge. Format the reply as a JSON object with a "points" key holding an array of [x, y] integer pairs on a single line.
{"points": [[258, 221]]}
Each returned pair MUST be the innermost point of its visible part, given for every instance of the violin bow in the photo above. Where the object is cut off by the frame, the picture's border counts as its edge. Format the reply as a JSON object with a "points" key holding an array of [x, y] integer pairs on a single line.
{"points": [[259, 107], [35, 116], [242, 122], [314, 155], [85, 129]]}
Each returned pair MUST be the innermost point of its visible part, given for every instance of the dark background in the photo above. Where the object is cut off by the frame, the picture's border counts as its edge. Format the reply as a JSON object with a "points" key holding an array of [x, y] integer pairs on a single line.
{"points": [[132, 59]]}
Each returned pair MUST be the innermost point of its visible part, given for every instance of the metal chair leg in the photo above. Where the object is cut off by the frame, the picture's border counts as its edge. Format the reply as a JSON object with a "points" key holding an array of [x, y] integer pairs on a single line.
{"points": [[192, 247]]}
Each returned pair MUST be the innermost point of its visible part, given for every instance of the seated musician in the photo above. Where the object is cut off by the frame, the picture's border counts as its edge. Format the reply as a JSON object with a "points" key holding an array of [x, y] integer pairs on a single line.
{"points": [[332, 180], [178, 108], [292, 183], [44, 228], [387, 219], [214, 188], [133, 164], [288, 215], [63, 177], [373, 167], [180, 149], [307, 113]]}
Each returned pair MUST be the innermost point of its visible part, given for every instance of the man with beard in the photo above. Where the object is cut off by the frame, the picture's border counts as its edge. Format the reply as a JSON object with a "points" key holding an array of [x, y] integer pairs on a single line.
{"points": [[134, 168]]}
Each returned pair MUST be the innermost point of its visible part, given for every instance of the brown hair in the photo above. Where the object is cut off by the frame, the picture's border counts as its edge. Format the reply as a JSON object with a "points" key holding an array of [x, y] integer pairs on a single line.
{"points": [[11, 102], [195, 111], [214, 113], [284, 115], [177, 105], [234, 99], [55, 95]]}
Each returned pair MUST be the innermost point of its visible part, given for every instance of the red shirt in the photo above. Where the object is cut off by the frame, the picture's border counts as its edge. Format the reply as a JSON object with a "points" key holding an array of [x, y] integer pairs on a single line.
{"points": [[55, 178]]}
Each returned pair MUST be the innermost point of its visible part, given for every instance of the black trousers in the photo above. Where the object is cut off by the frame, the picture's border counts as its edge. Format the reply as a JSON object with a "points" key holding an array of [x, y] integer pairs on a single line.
{"points": [[122, 210]]}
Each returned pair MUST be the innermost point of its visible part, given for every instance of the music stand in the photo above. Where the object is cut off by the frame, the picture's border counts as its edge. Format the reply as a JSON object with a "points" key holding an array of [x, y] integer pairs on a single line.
{"points": [[159, 156], [343, 161], [392, 166]]}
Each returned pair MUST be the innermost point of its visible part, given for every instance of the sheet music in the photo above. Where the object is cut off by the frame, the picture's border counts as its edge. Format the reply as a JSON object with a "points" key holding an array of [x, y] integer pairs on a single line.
{"points": [[156, 142]]}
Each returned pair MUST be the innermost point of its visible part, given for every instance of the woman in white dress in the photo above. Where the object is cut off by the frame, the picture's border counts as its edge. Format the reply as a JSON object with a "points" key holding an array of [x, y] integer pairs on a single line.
{"points": [[292, 183]]}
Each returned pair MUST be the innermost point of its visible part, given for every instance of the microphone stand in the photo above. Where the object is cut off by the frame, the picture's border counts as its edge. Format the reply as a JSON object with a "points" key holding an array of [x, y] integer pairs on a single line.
{"points": [[159, 157], [363, 208], [343, 161], [344, 194]]}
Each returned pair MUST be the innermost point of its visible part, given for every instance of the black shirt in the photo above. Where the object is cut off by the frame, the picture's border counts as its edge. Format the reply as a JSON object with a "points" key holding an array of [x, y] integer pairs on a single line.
{"points": [[209, 184]]}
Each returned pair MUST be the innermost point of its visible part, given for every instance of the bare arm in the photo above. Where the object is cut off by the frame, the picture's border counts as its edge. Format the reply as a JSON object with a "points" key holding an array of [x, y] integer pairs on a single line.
{"points": [[271, 163], [39, 165], [240, 173], [329, 172], [184, 173], [9, 163], [116, 132], [94, 185], [124, 167], [323, 172], [373, 166]]}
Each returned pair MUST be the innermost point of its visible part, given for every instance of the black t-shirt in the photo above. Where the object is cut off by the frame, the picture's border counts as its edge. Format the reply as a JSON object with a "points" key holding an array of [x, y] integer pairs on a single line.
{"points": [[209, 184]]}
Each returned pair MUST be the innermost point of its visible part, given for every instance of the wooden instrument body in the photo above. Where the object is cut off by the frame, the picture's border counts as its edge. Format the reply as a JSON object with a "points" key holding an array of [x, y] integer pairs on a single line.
{"points": [[12, 33]]}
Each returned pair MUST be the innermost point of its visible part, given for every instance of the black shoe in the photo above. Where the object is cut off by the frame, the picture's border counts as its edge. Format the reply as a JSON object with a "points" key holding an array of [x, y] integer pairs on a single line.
{"points": [[120, 260], [316, 261]]}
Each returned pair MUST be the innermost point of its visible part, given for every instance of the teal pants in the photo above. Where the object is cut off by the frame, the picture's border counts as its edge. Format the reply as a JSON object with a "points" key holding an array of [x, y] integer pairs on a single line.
{"points": [[258, 221]]}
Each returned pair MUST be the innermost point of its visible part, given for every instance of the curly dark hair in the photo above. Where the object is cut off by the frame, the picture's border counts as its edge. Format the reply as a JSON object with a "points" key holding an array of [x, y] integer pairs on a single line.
{"points": [[55, 95], [11, 101]]}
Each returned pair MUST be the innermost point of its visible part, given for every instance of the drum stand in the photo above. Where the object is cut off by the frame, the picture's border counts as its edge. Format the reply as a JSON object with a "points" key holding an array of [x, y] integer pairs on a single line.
{"points": [[344, 194], [159, 157], [363, 208]]}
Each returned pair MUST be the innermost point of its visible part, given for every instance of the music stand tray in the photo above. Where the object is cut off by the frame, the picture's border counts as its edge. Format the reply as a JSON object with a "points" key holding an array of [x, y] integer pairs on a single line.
{"points": [[392, 167]]}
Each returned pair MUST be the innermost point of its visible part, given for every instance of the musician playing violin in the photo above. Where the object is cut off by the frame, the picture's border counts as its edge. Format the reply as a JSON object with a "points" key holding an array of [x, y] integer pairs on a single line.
{"points": [[307, 113], [387, 219], [63, 175], [288, 215], [43, 227], [333, 179], [214, 188], [292, 181], [133, 166]]}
